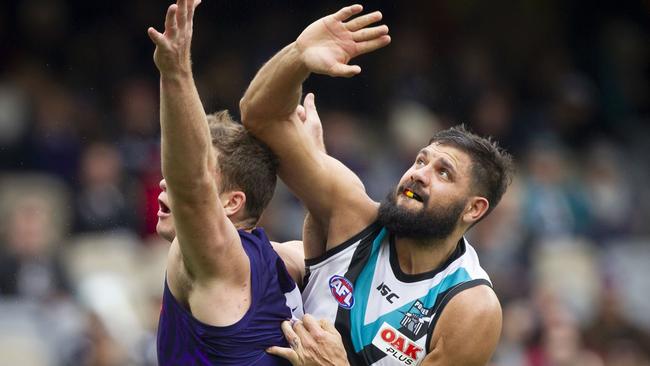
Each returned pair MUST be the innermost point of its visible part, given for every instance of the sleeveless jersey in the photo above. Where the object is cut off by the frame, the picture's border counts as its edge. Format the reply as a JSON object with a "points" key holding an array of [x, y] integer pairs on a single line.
{"points": [[386, 316], [184, 340]]}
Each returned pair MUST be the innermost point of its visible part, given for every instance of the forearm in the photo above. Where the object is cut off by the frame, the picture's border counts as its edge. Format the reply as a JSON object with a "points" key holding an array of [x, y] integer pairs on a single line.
{"points": [[186, 151], [275, 91]]}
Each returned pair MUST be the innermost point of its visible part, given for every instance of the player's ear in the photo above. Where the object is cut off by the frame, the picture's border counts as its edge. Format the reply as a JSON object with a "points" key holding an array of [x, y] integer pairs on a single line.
{"points": [[233, 202], [475, 209]]}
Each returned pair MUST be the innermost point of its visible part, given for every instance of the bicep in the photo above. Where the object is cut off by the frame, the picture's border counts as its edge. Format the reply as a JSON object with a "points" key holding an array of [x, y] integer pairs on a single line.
{"points": [[468, 330], [209, 243]]}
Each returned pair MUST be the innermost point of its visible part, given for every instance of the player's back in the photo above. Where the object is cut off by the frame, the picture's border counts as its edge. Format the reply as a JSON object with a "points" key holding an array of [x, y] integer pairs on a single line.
{"points": [[184, 340]]}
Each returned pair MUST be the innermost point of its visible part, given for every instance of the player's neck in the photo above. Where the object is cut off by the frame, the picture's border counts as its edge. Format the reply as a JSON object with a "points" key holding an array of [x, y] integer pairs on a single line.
{"points": [[247, 224], [420, 256]]}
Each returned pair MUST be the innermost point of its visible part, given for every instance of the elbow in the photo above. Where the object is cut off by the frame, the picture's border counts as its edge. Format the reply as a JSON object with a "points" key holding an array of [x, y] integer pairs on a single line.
{"points": [[245, 111], [249, 118]]}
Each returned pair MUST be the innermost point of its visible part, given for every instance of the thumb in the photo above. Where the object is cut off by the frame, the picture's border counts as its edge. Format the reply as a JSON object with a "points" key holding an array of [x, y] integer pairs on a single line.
{"points": [[310, 104], [346, 71], [301, 113], [286, 353], [155, 36]]}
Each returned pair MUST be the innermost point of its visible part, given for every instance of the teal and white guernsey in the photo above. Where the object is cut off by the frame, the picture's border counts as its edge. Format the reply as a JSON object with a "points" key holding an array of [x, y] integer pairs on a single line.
{"points": [[386, 316]]}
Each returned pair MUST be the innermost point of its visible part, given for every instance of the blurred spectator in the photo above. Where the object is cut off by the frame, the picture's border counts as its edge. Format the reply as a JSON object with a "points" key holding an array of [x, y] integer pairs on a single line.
{"points": [[30, 265], [105, 198], [500, 241], [620, 341], [554, 202], [14, 118], [566, 270], [561, 342], [609, 191], [139, 146], [32, 274], [54, 144], [137, 109]]}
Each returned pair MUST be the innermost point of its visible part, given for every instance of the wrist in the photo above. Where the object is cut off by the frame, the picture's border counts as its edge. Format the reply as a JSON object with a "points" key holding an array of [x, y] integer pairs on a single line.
{"points": [[177, 75], [296, 53]]}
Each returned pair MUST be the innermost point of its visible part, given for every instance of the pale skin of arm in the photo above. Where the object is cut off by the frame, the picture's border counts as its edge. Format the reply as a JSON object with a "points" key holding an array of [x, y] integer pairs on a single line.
{"points": [[293, 252], [327, 188], [206, 257]]}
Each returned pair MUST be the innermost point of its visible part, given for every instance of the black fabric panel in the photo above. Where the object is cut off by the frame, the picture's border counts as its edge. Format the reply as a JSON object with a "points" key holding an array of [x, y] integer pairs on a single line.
{"points": [[305, 279]]}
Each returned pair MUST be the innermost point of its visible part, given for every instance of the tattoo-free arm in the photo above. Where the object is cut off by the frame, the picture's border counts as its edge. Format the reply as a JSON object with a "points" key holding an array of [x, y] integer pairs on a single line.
{"points": [[208, 241], [268, 108]]}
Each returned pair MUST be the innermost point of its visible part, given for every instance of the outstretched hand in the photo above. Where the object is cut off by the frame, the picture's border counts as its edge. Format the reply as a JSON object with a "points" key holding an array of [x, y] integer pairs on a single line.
{"points": [[327, 45], [312, 342], [172, 54]]}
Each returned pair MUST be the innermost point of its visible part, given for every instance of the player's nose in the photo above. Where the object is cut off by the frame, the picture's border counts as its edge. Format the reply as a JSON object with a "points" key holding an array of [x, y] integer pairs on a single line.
{"points": [[163, 184], [421, 176]]}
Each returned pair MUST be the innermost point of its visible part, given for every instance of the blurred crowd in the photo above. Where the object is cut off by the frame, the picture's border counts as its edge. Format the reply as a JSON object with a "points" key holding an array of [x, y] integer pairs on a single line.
{"points": [[563, 85]]}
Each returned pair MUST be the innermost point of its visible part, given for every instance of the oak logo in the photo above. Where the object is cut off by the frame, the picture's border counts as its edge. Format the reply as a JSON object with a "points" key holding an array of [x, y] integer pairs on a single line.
{"points": [[398, 346], [342, 291]]}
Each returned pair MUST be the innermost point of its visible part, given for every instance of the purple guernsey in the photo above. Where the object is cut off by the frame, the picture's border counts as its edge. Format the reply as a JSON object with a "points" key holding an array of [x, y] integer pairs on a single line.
{"points": [[184, 340]]}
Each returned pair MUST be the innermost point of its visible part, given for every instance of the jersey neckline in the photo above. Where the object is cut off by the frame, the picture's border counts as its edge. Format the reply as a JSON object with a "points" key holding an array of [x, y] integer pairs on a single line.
{"points": [[407, 277]]}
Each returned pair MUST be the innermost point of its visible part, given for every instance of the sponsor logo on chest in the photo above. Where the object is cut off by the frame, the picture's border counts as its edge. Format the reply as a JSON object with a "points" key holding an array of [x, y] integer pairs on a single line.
{"points": [[342, 291], [398, 346], [416, 320]]}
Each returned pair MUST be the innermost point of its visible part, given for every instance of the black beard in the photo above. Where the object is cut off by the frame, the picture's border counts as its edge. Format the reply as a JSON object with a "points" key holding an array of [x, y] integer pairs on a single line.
{"points": [[437, 223]]}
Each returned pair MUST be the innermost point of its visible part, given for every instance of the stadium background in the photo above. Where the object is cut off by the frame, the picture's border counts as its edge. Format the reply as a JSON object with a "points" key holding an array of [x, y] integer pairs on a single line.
{"points": [[565, 85]]}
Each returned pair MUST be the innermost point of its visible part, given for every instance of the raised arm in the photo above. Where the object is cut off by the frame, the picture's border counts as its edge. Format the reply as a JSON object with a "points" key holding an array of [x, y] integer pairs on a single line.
{"points": [[327, 188], [208, 241]]}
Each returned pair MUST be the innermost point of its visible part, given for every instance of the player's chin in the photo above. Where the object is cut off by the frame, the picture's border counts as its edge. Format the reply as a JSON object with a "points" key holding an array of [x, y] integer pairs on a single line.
{"points": [[165, 228]]}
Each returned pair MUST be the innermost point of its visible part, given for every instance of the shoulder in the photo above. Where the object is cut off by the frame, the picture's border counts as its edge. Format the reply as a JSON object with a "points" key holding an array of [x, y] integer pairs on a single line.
{"points": [[293, 247], [468, 329], [292, 255]]}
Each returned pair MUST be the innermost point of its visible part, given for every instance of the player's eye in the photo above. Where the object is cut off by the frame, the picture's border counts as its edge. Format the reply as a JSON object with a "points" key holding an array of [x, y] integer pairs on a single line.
{"points": [[444, 173]]}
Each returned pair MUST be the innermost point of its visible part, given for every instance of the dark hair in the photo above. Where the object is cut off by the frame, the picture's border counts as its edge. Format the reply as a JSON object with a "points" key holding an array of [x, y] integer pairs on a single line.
{"points": [[245, 163], [492, 167]]}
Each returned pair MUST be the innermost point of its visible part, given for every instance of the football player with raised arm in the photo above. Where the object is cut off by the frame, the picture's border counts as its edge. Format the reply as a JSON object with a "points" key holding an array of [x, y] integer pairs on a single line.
{"points": [[398, 278], [226, 290]]}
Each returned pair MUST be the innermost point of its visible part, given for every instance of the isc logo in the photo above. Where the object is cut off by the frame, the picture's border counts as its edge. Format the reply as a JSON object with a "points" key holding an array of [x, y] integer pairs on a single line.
{"points": [[342, 290]]}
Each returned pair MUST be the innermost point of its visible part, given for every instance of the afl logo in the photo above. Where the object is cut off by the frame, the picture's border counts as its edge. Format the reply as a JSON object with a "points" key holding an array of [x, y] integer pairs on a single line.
{"points": [[342, 291]]}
